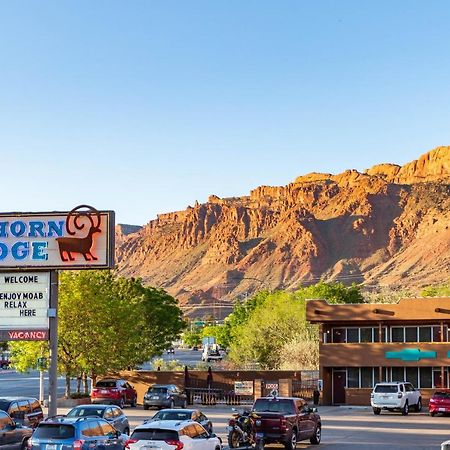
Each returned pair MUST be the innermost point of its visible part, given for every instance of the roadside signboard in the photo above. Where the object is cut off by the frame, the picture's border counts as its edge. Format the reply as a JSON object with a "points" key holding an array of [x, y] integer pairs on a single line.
{"points": [[24, 303], [80, 239], [243, 387]]}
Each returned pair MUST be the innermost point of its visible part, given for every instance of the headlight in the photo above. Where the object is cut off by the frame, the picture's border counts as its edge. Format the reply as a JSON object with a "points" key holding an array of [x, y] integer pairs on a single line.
{"points": [[258, 423]]}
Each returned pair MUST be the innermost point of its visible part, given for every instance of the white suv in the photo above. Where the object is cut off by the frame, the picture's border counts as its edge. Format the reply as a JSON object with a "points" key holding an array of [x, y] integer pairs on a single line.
{"points": [[172, 435], [395, 395]]}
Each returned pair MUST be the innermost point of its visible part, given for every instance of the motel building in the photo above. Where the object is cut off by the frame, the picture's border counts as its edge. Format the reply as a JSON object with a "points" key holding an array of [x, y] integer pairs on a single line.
{"points": [[362, 344]]}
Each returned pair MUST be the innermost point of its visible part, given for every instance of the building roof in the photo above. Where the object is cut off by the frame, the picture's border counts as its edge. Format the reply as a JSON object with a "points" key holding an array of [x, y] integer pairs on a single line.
{"points": [[407, 309]]}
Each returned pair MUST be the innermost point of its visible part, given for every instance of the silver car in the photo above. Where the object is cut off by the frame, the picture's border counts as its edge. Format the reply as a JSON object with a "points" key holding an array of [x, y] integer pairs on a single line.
{"points": [[113, 414]]}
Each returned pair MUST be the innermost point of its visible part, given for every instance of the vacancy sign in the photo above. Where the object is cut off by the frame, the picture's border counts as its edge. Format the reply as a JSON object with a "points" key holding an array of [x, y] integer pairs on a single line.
{"points": [[24, 302]]}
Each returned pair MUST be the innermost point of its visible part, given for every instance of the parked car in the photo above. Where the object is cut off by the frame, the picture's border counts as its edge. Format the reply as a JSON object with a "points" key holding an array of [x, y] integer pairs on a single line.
{"points": [[114, 391], [395, 396], [171, 351], [164, 396], [113, 414], [286, 420], [172, 435], [184, 414], [76, 433], [440, 402], [13, 435], [24, 410]]}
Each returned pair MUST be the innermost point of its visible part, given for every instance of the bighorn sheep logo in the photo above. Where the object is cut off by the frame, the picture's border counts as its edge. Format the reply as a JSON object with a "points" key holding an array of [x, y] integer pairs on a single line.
{"points": [[69, 245]]}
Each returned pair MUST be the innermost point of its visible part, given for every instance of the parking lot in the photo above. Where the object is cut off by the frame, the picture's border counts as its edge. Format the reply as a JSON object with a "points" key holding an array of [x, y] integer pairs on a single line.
{"points": [[346, 428]]}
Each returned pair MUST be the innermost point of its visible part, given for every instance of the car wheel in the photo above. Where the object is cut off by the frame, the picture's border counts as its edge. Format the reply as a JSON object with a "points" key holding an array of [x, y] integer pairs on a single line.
{"points": [[185, 405], [24, 444], [432, 414], [126, 431], [146, 407], [122, 402], [133, 402], [377, 411], [291, 444], [419, 405], [172, 404], [405, 409], [317, 436]]}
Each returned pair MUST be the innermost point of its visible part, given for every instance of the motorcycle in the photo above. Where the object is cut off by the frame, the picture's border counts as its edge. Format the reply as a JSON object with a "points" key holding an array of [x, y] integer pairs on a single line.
{"points": [[243, 430]]}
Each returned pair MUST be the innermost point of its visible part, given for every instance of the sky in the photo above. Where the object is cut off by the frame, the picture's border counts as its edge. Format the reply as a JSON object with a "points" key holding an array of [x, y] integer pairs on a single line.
{"points": [[144, 107]]}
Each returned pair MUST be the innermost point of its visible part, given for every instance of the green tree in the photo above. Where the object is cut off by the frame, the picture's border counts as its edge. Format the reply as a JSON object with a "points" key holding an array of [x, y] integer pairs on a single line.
{"points": [[108, 323], [442, 290], [276, 321]]}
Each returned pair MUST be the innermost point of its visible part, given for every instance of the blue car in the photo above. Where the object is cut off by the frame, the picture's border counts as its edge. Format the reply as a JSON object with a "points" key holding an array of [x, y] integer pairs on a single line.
{"points": [[82, 433]]}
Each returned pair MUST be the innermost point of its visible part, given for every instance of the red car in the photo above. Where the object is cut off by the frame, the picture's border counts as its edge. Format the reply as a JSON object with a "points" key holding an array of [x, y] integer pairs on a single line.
{"points": [[440, 402], [114, 391]]}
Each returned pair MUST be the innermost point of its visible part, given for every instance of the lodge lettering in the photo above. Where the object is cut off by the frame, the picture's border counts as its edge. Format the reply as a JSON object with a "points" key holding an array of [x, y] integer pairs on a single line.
{"points": [[22, 279]]}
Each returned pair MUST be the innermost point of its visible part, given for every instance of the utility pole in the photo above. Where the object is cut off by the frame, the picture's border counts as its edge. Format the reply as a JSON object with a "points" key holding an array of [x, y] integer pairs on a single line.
{"points": [[53, 336]]}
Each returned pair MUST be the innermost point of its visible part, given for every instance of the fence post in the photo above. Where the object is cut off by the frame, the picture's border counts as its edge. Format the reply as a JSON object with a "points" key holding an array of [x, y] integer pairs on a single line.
{"points": [[257, 388], [285, 387]]}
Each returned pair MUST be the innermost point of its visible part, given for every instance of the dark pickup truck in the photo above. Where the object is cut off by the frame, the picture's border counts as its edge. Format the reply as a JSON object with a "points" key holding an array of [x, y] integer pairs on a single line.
{"points": [[286, 420]]}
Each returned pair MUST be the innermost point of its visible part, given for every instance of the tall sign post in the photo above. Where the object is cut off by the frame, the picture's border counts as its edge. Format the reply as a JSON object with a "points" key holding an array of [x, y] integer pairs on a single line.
{"points": [[33, 247]]}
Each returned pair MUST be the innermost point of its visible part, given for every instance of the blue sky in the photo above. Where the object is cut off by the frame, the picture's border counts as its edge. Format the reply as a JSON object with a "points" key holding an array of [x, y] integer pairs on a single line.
{"points": [[144, 107]]}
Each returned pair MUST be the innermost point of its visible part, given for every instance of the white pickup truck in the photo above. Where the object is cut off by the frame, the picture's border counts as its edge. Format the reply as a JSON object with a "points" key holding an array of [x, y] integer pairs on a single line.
{"points": [[211, 353]]}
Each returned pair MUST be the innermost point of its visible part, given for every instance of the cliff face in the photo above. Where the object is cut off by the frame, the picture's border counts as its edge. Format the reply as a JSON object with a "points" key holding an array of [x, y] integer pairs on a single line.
{"points": [[386, 226]]}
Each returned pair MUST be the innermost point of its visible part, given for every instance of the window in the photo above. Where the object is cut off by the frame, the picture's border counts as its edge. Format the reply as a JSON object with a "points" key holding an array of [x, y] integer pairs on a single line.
{"points": [[424, 334], [339, 335], [107, 429], [155, 434], [352, 335], [366, 334], [54, 431], [36, 406], [13, 409], [376, 334], [116, 412], [398, 374], [108, 413], [438, 380], [387, 389], [397, 334], [367, 377], [412, 375], [201, 432], [353, 377], [437, 333], [4, 420], [410, 334], [425, 377]]}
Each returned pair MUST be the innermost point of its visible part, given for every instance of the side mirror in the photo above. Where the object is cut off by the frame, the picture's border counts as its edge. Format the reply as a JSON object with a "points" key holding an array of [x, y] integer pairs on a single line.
{"points": [[118, 434], [312, 410], [212, 435]]}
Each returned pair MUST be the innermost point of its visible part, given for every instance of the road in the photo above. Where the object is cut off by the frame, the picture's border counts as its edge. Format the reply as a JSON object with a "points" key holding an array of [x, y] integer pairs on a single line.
{"points": [[15, 384]]}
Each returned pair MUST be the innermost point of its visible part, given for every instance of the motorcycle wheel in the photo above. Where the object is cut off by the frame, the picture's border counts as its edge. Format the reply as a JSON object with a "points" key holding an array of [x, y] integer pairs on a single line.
{"points": [[234, 439]]}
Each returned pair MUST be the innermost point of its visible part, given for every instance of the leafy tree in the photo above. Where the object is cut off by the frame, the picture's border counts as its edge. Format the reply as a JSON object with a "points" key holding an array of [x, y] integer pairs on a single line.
{"points": [[276, 321], [436, 291], [108, 323], [193, 337]]}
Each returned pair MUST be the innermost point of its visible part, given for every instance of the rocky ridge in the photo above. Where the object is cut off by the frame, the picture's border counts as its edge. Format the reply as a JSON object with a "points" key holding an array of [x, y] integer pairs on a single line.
{"points": [[386, 226]]}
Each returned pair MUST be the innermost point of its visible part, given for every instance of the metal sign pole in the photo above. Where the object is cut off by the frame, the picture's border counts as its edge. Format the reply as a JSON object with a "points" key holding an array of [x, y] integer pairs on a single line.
{"points": [[53, 336]]}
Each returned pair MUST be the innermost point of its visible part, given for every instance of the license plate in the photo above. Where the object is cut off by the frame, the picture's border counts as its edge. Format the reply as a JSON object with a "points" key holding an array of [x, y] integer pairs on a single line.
{"points": [[104, 391], [259, 435], [50, 447], [442, 409], [155, 397], [148, 447]]}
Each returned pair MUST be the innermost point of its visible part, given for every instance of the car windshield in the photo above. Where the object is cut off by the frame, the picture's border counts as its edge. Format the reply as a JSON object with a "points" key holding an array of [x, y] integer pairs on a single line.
{"points": [[106, 384], [83, 412], [441, 394], [157, 390], [274, 405], [172, 415], [386, 388], [154, 434], [4, 405], [54, 431]]}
